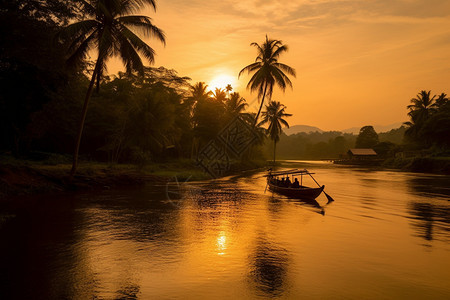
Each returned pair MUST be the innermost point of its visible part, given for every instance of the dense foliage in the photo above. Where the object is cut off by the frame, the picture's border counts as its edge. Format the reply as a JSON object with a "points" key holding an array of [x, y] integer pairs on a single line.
{"points": [[367, 137], [155, 113], [32, 65], [429, 123]]}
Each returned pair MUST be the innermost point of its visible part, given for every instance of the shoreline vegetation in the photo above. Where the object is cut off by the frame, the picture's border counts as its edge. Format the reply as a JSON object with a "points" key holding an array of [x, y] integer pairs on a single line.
{"points": [[435, 165], [20, 177]]}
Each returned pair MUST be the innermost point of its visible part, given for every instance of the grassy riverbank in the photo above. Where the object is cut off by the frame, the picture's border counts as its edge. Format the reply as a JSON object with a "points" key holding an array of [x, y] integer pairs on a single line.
{"points": [[20, 177], [437, 165]]}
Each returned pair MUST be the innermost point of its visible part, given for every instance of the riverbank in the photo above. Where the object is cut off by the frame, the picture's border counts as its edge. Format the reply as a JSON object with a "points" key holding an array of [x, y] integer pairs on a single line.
{"points": [[25, 177], [435, 165]]}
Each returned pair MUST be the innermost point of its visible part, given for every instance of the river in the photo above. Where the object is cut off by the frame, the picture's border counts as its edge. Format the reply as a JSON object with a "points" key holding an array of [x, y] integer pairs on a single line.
{"points": [[386, 236]]}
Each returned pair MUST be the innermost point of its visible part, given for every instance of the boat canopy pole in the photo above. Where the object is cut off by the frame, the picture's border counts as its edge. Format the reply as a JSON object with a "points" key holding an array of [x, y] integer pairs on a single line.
{"points": [[314, 180], [291, 172]]}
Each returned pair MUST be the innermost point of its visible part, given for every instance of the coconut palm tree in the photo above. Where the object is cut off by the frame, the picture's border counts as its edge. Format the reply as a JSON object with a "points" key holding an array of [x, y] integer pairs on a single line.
{"points": [[235, 105], [442, 101], [273, 115], [199, 93], [220, 95], [268, 71], [423, 105], [228, 88], [109, 29]]}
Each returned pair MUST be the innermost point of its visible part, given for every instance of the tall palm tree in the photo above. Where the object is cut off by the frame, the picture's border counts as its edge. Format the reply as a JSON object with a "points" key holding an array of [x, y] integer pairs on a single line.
{"points": [[108, 28], [274, 114], [423, 105], [268, 71]]}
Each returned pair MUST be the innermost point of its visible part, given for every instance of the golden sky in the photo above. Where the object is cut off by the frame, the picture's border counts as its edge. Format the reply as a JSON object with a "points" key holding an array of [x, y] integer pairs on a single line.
{"points": [[358, 62]]}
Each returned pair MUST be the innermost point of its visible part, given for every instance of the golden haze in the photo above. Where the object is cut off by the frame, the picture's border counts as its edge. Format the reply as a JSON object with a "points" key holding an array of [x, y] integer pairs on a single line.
{"points": [[358, 62]]}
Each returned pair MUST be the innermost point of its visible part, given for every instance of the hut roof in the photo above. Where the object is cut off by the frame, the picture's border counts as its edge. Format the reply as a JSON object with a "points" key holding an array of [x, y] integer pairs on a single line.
{"points": [[362, 152]]}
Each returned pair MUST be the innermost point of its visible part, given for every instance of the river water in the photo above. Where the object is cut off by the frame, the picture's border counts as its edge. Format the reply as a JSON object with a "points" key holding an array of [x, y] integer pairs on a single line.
{"points": [[386, 236]]}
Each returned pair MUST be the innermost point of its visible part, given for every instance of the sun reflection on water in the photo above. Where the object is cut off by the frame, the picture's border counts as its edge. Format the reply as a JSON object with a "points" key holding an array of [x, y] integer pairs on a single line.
{"points": [[221, 243]]}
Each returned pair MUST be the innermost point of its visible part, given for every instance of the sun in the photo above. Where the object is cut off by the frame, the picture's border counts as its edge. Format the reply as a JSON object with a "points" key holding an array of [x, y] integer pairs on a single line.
{"points": [[221, 81]]}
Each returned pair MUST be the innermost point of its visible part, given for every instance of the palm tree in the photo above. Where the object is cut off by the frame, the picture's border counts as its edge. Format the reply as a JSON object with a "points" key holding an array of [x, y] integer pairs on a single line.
{"points": [[423, 105], [274, 114], [268, 71], [199, 93], [441, 101], [235, 105], [108, 30], [220, 95], [228, 88]]}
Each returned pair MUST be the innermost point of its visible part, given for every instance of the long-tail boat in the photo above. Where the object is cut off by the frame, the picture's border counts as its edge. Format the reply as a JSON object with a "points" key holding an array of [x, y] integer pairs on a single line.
{"points": [[291, 190]]}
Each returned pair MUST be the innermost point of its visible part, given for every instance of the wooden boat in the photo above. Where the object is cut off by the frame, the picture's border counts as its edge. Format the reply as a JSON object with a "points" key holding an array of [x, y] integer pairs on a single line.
{"points": [[301, 192]]}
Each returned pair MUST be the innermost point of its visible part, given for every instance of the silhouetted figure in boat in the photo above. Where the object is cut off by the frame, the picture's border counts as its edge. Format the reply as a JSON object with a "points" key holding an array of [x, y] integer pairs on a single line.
{"points": [[283, 182], [296, 184], [288, 182]]}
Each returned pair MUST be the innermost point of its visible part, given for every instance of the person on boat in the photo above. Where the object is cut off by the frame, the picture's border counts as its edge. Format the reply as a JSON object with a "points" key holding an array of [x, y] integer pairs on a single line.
{"points": [[282, 182], [288, 182], [296, 184]]}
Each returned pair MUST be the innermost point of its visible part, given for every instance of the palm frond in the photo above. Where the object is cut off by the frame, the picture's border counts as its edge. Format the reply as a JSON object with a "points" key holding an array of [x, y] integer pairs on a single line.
{"points": [[81, 51], [138, 44], [87, 7], [77, 30], [279, 51], [131, 6], [145, 25], [249, 68], [130, 57], [286, 68]]}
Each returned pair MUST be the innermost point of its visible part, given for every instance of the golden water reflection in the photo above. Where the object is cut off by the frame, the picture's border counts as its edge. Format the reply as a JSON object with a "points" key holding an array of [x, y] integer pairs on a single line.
{"points": [[229, 239], [221, 243]]}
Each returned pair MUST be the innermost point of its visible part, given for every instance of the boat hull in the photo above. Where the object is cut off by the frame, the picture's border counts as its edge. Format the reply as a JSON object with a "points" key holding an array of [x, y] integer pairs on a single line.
{"points": [[297, 193]]}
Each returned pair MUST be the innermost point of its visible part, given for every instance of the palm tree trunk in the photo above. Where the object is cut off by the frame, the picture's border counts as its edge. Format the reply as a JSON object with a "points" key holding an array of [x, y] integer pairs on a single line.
{"points": [[260, 107], [83, 118], [274, 148]]}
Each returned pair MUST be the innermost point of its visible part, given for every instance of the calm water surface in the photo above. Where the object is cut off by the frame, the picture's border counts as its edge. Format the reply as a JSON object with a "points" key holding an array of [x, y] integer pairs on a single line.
{"points": [[387, 236]]}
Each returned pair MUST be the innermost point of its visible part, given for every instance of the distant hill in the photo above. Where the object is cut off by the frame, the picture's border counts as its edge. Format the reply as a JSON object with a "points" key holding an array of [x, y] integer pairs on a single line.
{"points": [[301, 128], [378, 128], [355, 130]]}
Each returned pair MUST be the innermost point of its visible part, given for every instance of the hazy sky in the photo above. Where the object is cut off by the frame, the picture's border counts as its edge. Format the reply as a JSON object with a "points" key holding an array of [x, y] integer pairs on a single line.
{"points": [[358, 62]]}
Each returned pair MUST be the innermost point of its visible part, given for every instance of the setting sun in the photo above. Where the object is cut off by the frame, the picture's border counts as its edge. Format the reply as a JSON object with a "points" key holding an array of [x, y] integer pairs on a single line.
{"points": [[221, 81]]}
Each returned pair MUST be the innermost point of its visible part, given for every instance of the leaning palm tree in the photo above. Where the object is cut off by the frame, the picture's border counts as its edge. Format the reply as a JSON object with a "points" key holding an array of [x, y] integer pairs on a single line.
{"points": [[108, 29], [274, 114], [268, 71]]}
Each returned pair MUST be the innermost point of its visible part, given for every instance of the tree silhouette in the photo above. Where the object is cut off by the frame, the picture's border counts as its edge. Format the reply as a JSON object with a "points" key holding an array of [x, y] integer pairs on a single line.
{"points": [[228, 88], [367, 137], [273, 115], [268, 71], [235, 105], [436, 129], [220, 95], [419, 111], [108, 30]]}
